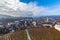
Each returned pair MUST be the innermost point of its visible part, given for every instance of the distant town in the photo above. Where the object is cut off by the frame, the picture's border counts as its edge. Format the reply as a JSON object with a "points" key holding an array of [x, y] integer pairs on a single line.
{"points": [[13, 24]]}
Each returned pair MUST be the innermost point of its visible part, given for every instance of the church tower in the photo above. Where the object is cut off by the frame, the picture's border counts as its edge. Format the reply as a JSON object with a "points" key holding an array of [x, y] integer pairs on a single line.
{"points": [[47, 20]]}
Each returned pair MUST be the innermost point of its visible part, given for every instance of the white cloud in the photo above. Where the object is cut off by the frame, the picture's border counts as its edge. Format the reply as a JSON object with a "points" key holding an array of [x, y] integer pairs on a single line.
{"points": [[20, 8], [53, 10], [14, 8]]}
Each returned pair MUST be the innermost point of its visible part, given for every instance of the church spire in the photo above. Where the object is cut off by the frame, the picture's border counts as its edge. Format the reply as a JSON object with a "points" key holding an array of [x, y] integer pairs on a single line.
{"points": [[47, 20]]}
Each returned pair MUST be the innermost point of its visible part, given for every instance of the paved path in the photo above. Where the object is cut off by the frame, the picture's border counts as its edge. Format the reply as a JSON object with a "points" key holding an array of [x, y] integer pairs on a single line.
{"points": [[28, 34], [57, 27]]}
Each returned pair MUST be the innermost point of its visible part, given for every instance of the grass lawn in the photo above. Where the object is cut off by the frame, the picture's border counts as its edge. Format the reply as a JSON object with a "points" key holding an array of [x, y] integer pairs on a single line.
{"points": [[35, 34], [24, 35], [18, 35], [44, 34]]}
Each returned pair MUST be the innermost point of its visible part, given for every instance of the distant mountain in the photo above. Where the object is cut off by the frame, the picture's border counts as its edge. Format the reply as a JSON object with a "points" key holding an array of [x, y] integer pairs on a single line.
{"points": [[5, 16], [52, 16]]}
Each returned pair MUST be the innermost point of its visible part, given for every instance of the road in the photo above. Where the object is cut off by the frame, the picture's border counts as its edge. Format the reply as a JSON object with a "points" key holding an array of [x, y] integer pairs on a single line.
{"points": [[28, 36]]}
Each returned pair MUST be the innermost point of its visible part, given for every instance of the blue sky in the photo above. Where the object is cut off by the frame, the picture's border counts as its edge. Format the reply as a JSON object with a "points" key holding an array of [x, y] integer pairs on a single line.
{"points": [[43, 2]]}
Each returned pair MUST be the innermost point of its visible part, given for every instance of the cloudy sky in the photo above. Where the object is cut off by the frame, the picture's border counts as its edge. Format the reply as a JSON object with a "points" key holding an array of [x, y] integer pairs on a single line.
{"points": [[46, 7], [32, 7]]}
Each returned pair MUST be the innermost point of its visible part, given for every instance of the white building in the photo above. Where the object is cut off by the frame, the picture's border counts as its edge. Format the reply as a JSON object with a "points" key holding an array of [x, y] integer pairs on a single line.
{"points": [[46, 25], [34, 23], [10, 23]]}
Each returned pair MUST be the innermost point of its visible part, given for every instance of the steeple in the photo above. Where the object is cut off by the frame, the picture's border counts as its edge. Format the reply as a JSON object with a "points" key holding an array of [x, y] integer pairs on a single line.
{"points": [[47, 20]]}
